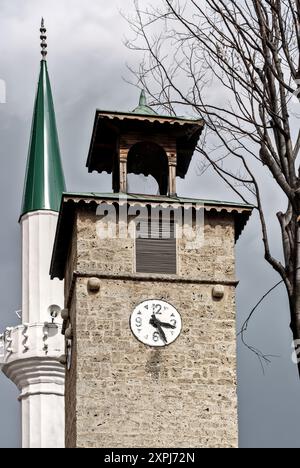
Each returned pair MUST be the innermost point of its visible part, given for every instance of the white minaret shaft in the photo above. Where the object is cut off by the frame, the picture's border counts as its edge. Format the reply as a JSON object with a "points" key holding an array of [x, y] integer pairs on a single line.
{"points": [[31, 352], [38, 291]]}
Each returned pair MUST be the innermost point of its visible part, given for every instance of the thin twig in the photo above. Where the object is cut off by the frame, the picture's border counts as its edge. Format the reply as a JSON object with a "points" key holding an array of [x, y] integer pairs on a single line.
{"points": [[263, 358]]}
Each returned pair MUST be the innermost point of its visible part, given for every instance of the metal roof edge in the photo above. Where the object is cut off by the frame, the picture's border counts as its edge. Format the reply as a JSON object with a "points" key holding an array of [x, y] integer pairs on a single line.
{"points": [[150, 117], [154, 199]]}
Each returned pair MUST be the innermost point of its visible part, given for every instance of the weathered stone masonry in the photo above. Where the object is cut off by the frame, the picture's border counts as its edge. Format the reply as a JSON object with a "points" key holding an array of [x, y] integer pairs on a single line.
{"points": [[121, 393]]}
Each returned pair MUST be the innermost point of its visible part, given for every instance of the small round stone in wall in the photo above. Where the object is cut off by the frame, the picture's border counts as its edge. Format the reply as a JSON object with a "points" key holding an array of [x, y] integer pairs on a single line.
{"points": [[218, 292], [94, 285]]}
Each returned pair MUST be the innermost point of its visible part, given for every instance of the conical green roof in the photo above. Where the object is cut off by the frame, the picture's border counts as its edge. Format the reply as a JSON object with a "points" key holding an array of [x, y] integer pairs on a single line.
{"points": [[44, 182], [143, 108]]}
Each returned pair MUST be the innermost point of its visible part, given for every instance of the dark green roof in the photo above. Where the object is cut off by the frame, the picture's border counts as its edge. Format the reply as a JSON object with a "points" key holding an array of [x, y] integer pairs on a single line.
{"points": [[44, 182], [156, 198], [143, 108], [150, 116]]}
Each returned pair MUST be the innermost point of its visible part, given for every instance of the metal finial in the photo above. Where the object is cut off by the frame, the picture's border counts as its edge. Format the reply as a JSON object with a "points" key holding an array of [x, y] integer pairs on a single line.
{"points": [[143, 100], [43, 39]]}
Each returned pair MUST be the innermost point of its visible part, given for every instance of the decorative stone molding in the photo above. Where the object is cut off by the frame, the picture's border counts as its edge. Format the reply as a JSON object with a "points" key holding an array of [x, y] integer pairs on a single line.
{"points": [[32, 341], [31, 360], [41, 381], [36, 376]]}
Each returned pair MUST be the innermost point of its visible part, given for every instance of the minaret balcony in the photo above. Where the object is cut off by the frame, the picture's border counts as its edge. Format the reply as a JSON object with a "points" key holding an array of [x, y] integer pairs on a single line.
{"points": [[41, 340]]}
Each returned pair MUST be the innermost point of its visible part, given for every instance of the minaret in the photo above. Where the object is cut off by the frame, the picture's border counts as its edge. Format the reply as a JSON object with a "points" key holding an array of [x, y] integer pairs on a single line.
{"points": [[32, 350]]}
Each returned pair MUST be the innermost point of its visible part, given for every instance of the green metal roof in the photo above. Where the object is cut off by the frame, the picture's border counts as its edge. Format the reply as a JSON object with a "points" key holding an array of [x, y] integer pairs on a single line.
{"points": [[154, 198], [44, 182], [143, 108]]}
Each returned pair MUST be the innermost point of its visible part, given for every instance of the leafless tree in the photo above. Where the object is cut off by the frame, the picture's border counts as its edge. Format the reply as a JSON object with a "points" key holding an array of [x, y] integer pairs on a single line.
{"points": [[250, 51]]}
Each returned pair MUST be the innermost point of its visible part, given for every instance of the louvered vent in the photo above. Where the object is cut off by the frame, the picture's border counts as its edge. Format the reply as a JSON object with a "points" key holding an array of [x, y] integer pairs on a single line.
{"points": [[156, 248]]}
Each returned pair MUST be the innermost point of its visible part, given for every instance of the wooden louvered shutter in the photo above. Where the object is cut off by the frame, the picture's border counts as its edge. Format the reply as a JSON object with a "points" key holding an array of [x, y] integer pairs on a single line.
{"points": [[156, 253]]}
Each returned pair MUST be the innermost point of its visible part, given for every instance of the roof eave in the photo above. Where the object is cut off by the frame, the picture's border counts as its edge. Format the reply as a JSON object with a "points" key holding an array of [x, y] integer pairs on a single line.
{"points": [[64, 230], [94, 133], [152, 119]]}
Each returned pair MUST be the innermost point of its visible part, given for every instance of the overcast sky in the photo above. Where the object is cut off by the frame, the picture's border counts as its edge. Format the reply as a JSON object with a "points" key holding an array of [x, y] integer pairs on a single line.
{"points": [[87, 65]]}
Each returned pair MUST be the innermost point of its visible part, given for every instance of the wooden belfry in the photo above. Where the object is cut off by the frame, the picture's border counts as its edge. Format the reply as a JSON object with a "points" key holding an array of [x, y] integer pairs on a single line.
{"points": [[143, 142]]}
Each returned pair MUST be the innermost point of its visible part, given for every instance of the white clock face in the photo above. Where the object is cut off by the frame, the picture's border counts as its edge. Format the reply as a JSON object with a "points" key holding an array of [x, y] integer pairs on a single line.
{"points": [[155, 323]]}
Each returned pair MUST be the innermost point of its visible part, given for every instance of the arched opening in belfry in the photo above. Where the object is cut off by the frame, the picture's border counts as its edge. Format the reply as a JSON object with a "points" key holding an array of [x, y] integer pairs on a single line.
{"points": [[150, 162]]}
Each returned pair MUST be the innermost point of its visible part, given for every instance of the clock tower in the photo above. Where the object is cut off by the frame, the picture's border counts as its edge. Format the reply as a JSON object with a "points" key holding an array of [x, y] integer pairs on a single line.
{"points": [[149, 318]]}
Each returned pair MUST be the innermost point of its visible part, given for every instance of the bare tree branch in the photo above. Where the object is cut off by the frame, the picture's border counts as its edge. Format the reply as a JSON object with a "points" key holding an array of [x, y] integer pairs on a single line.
{"points": [[248, 52]]}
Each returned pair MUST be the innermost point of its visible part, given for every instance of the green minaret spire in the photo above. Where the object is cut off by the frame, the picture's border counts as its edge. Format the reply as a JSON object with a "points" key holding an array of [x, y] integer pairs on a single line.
{"points": [[44, 182]]}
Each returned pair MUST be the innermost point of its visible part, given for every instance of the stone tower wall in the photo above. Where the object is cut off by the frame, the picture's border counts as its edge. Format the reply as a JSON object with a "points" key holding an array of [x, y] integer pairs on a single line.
{"points": [[121, 393]]}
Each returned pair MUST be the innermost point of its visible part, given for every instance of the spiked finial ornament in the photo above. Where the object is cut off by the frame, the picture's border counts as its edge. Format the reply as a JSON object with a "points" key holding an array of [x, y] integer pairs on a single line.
{"points": [[143, 100], [43, 39]]}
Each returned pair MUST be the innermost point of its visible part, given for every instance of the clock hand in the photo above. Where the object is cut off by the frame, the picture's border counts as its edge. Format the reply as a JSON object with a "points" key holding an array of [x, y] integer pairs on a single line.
{"points": [[155, 321], [156, 324], [162, 333], [167, 325]]}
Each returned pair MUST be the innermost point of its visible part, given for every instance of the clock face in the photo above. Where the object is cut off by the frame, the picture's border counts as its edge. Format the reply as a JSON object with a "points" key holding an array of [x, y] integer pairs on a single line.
{"points": [[155, 323]]}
